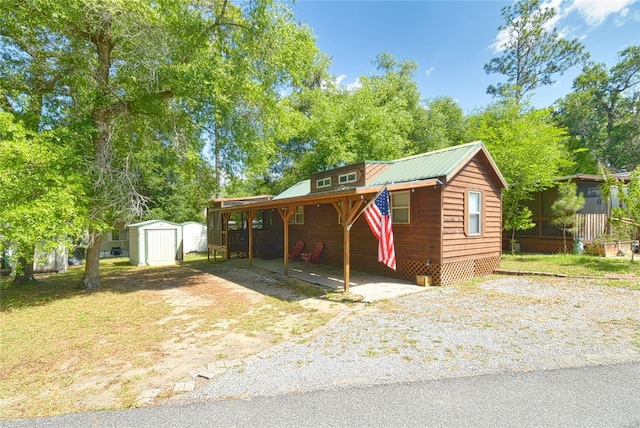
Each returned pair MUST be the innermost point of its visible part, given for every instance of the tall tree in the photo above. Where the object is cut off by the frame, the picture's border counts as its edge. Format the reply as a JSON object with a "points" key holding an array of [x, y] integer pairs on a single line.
{"points": [[444, 125], [565, 208], [382, 117], [629, 211], [529, 151], [41, 205], [602, 114], [136, 77], [531, 54]]}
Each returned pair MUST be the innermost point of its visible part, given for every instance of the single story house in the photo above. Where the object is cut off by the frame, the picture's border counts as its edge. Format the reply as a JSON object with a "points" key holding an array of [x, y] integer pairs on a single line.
{"points": [[115, 242], [155, 243], [446, 211], [591, 220]]}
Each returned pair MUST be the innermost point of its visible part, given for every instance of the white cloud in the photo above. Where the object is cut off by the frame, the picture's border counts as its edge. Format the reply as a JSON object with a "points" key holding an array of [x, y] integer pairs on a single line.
{"points": [[429, 70], [593, 12], [354, 85], [596, 12], [340, 78]]}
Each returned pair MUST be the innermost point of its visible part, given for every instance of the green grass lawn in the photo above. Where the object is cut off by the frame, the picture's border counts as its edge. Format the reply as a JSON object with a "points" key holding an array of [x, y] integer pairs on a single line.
{"points": [[577, 265], [64, 349]]}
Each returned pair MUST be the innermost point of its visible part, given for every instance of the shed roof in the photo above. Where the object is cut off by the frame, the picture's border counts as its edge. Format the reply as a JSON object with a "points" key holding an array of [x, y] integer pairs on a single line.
{"points": [[622, 176], [150, 222]]}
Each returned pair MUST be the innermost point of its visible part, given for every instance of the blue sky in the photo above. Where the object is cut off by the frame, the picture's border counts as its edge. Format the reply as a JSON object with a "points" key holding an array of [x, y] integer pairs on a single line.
{"points": [[451, 40]]}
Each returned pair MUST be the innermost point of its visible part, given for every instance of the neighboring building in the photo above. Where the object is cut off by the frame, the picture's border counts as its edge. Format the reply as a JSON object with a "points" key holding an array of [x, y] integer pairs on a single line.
{"points": [[194, 237], [115, 243], [591, 220], [53, 261], [446, 208], [154, 243]]}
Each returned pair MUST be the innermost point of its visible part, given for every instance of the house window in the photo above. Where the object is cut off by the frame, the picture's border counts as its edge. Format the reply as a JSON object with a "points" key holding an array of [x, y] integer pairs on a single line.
{"points": [[298, 216], [400, 207], [475, 213], [119, 235], [347, 178], [323, 182]]}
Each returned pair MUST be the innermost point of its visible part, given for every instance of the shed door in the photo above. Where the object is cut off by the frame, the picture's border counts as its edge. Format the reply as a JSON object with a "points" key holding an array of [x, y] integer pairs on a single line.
{"points": [[160, 246]]}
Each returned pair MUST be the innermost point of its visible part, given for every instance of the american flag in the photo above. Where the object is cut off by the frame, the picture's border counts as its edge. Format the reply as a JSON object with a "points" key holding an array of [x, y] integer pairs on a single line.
{"points": [[379, 219]]}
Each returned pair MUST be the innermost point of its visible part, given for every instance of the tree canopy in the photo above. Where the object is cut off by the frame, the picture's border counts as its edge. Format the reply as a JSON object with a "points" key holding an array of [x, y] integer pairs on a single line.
{"points": [[529, 151], [41, 195], [140, 77], [531, 54], [129, 110], [602, 114]]}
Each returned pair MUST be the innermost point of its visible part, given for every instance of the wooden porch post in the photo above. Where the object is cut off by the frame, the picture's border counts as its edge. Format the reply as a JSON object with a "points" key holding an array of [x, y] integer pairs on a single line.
{"points": [[347, 212], [347, 256], [250, 216], [225, 227], [285, 214]]}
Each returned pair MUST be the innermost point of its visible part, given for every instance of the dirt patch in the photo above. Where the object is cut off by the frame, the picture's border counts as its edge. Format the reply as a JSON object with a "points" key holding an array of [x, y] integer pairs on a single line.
{"points": [[211, 319], [72, 350]]}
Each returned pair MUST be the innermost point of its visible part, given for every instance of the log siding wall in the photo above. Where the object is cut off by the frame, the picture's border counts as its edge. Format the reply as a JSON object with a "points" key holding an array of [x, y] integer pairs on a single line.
{"points": [[456, 244]]}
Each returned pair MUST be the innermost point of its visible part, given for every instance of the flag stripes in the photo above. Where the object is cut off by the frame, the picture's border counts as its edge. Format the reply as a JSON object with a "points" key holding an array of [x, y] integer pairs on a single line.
{"points": [[378, 217]]}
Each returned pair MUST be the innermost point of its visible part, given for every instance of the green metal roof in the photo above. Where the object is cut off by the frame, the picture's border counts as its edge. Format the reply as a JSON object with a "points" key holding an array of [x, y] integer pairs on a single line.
{"points": [[440, 163], [301, 188]]}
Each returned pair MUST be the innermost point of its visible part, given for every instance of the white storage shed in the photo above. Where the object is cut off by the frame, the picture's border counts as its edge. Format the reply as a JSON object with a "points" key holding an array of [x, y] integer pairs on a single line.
{"points": [[53, 261], [194, 237], [155, 243]]}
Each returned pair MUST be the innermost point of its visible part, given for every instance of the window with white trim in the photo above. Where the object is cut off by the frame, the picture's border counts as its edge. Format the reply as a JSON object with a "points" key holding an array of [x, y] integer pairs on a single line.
{"points": [[475, 213], [298, 215], [323, 182], [400, 207], [347, 178], [119, 235]]}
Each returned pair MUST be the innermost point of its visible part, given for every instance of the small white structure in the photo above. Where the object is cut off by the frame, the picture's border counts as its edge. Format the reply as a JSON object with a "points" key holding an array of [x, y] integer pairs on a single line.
{"points": [[53, 261], [194, 237], [115, 243], [155, 243]]}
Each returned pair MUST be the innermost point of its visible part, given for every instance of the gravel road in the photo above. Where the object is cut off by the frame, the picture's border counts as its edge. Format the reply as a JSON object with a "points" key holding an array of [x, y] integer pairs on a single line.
{"points": [[508, 324]]}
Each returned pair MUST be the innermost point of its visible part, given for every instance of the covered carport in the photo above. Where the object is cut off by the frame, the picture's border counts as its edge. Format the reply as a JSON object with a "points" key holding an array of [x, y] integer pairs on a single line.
{"points": [[347, 203]]}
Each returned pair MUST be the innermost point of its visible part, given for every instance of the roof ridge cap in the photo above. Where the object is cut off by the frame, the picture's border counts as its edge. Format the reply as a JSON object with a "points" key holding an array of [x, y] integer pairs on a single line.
{"points": [[473, 143]]}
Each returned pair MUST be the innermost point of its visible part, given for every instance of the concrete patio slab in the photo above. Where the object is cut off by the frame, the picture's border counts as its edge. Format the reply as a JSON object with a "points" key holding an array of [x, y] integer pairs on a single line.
{"points": [[370, 287]]}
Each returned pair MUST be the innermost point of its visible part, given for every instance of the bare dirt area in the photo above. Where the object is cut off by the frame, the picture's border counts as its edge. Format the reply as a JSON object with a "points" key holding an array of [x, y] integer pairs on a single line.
{"points": [[229, 311], [145, 328]]}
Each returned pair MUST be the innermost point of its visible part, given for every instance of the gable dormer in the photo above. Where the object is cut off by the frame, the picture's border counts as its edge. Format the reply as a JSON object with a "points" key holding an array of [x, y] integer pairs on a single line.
{"points": [[354, 175]]}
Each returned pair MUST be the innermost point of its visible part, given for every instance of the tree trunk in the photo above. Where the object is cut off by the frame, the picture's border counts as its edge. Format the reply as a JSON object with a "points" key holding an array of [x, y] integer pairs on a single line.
{"points": [[26, 272], [91, 277]]}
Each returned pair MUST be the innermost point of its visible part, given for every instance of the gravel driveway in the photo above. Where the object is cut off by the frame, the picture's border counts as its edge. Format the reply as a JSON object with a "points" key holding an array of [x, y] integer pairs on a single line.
{"points": [[501, 325]]}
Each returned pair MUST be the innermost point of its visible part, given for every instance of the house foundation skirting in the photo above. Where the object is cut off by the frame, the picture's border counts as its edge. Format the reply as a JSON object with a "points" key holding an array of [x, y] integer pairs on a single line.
{"points": [[444, 274], [549, 247]]}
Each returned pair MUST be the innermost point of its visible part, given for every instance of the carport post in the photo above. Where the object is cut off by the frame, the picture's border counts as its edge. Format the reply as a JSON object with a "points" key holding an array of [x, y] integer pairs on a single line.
{"points": [[346, 256], [250, 216], [285, 214], [347, 212]]}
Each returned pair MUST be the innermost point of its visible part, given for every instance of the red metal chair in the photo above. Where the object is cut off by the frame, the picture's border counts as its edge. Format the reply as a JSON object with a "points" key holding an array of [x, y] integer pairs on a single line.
{"points": [[297, 250], [313, 257]]}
